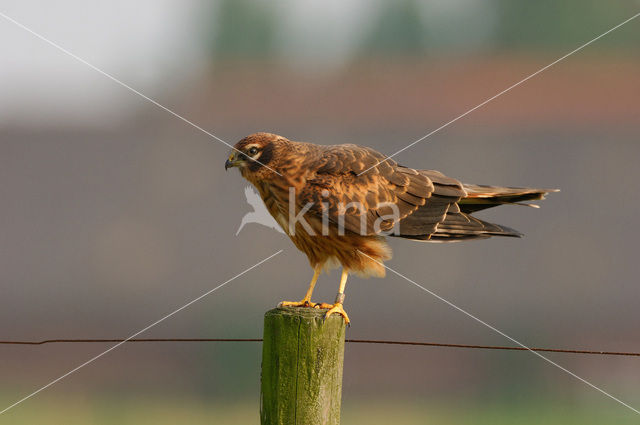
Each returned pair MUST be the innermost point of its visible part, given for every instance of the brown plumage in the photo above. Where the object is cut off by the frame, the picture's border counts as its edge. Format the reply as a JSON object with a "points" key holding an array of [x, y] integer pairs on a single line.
{"points": [[359, 196]]}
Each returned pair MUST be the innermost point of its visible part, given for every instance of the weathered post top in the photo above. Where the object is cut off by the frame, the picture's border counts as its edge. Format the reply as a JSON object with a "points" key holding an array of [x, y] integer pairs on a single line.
{"points": [[302, 360]]}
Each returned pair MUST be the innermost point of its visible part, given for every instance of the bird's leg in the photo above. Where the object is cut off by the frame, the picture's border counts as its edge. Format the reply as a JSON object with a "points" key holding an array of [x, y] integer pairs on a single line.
{"points": [[306, 301], [337, 306]]}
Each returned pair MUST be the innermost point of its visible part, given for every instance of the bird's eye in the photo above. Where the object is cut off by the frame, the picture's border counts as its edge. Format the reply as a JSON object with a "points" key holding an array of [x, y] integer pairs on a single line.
{"points": [[252, 151]]}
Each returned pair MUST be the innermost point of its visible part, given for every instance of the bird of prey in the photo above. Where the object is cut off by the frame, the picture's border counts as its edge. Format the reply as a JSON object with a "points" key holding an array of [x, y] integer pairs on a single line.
{"points": [[338, 202]]}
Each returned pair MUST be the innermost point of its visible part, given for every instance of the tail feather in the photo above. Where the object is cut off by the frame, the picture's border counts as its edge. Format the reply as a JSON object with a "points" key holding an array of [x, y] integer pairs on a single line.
{"points": [[461, 226], [480, 197], [449, 219], [446, 217]]}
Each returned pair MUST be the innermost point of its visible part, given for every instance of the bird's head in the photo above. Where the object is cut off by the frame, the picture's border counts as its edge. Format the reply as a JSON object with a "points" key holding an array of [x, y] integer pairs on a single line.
{"points": [[257, 154]]}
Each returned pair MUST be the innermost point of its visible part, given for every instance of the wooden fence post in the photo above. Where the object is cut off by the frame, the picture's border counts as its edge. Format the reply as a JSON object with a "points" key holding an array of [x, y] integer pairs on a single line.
{"points": [[302, 359]]}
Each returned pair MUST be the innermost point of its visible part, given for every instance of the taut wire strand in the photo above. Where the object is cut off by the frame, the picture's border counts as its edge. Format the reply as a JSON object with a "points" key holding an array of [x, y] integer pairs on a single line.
{"points": [[354, 341]]}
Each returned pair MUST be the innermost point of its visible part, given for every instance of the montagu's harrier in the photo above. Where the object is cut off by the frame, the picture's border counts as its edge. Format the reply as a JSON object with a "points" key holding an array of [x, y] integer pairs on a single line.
{"points": [[338, 202]]}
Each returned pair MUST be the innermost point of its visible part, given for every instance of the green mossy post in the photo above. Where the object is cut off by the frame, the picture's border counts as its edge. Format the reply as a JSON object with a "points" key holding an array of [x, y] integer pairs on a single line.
{"points": [[302, 359]]}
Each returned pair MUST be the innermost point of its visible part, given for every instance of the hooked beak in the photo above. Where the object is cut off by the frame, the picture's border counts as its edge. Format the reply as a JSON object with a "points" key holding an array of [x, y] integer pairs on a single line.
{"points": [[230, 162]]}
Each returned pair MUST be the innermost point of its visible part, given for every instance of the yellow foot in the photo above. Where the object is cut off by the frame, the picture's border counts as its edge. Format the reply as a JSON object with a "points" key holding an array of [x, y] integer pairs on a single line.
{"points": [[302, 303], [334, 309]]}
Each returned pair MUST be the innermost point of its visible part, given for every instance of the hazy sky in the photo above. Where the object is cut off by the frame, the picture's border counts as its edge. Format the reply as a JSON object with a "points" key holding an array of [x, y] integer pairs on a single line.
{"points": [[155, 45]]}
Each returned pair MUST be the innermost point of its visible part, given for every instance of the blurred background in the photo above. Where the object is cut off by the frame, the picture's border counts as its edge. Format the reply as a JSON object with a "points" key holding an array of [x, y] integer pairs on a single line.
{"points": [[114, 212]]}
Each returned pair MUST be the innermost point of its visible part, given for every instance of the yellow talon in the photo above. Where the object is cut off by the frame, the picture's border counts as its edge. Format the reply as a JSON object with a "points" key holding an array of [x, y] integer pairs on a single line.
{"points": [[337, 309], [302, 303]]}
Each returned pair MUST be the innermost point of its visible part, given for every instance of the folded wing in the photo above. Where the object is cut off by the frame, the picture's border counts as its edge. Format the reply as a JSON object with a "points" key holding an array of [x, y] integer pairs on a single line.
{"points": [[423, 205]]}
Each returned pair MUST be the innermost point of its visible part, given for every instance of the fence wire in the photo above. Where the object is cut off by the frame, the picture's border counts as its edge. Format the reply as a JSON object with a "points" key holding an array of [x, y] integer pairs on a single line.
{"points": [[353, 341]]}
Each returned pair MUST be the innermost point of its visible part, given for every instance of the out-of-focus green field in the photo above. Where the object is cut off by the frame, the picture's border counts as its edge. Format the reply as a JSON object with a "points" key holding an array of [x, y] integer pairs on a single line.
{"points": [[137, 410]]}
